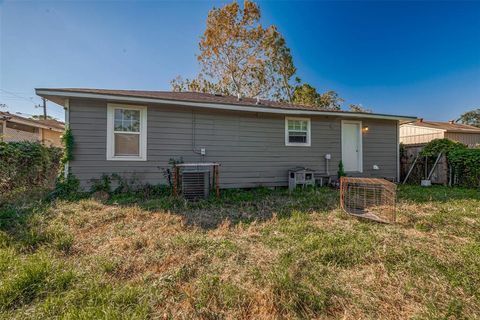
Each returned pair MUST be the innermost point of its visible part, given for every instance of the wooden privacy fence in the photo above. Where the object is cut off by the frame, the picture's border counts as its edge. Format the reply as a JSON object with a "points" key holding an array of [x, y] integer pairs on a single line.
{"points": [[440, 174]]}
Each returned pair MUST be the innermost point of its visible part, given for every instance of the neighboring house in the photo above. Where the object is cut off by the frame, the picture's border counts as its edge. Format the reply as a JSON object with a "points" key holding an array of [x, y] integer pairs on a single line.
{"points": [[17, 128], [422, 132], [136, 133]]}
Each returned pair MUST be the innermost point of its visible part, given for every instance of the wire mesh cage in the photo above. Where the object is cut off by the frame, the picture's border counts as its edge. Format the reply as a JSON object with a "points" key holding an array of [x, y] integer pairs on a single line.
{"points": [[369, 198]]}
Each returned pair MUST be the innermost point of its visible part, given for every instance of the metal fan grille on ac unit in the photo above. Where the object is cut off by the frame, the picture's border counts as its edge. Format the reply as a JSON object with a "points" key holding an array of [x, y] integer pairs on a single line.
{"points": [[195, 184]]}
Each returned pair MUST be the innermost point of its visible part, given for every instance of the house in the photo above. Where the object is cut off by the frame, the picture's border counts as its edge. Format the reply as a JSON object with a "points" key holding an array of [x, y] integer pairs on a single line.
{"points": [[16, 128], [256, 142], [422, 132]]}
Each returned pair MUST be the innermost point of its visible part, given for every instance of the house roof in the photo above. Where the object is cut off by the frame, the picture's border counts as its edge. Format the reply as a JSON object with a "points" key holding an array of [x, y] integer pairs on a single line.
{"points": [[40, 123], [198, 99], [52, 123], [447, 126]]}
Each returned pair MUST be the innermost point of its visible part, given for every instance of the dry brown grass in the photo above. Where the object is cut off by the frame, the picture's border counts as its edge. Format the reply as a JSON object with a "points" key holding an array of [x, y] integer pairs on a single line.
{"points": [[300, 263]]}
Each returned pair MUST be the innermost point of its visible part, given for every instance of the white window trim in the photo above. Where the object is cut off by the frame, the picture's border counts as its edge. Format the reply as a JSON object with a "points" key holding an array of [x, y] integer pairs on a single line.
{"points": [[309, 131], [110, 132], [360, 143]]}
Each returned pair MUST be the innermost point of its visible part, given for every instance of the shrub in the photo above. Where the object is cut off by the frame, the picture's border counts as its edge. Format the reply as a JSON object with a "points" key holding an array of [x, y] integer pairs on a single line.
{"points": [[466, 166], [169, 172], [434, 147], [464, 163], [103, 184], [68, 187], [341, 170], [27, 165], [115, 184]]}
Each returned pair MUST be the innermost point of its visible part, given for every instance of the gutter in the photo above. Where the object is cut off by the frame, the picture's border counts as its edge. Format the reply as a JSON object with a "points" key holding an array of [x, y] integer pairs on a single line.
{"points": [[29, 122], [220, 106]]}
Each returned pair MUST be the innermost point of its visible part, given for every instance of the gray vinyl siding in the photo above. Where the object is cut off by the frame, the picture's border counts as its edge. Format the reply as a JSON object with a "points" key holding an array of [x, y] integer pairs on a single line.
{"points": [[470, 139], [380, 148], [250, 147]]}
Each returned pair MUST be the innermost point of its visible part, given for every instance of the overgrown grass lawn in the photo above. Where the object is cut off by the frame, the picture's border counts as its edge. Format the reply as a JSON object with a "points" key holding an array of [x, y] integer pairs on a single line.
{"points": [[258, 254]]}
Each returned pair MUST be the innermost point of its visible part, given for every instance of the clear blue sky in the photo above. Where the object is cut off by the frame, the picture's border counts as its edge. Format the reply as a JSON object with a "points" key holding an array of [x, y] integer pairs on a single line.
{"points": [[413, 58]]}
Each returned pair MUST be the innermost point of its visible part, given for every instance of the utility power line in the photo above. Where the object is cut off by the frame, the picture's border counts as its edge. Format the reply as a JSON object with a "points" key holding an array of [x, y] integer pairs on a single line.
{"points": [[17, 96]]}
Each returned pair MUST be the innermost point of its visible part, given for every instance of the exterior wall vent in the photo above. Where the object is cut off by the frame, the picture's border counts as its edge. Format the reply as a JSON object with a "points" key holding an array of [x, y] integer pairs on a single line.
{"points": [[196, 183]]}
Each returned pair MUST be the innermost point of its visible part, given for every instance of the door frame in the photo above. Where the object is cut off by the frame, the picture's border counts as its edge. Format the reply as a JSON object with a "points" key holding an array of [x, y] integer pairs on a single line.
{"points": [[360, 143]]}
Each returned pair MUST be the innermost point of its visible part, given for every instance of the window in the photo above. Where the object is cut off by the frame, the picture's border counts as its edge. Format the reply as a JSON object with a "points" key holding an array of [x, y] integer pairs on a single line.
{"points": [[126, 132], [297, 132]]}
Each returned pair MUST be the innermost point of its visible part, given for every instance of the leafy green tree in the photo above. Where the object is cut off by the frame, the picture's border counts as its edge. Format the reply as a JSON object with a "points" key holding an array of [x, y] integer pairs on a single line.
{"points": [[280, 63], [307, 95], [238, 56], [358, 108], [471, 118], [199, 84], [330, 100]]}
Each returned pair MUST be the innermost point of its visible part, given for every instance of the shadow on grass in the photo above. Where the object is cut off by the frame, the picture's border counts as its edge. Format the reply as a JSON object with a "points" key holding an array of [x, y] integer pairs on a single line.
{"points": [[234, 206], [436, 193], [25, 224]]}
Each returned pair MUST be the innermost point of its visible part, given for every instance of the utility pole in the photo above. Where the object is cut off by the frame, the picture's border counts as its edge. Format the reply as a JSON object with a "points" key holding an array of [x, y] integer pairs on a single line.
{"points": [[44, 108]]}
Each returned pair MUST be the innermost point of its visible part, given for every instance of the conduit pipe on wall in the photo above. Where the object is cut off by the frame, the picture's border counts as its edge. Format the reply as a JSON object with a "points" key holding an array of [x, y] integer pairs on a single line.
{"points": [[194, 124]]}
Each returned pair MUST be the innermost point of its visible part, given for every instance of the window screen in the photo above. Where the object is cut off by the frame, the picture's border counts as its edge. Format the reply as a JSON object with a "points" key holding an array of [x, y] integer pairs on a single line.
{"points": [[126, 132], [298, 131]]}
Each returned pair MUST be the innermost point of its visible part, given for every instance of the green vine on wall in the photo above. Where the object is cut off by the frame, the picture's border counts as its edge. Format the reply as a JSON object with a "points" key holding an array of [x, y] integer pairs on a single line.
{"points": [[67, 142], [67, 185]]}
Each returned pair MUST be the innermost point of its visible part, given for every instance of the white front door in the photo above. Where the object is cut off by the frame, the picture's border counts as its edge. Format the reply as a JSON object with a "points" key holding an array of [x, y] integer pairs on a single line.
{"points": [[352, 145]]}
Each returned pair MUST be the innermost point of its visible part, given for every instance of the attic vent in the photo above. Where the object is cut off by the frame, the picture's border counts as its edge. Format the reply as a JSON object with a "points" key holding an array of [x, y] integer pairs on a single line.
{"points": [[196, 184]]}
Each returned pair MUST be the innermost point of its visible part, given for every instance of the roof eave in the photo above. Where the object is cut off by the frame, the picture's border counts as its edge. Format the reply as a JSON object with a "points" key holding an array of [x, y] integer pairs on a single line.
{"points": [[424, 126], [60, 96], [463, 131], [33, 123], [433, 127]]}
